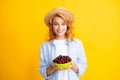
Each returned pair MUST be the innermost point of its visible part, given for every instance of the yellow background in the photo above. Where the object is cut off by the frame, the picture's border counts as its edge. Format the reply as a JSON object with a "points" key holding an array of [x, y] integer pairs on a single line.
{"points": [[22, 30]]}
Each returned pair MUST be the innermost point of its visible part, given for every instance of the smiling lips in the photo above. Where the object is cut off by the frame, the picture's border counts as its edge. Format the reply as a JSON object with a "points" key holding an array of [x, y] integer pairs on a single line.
{"points": [[60, 31]]}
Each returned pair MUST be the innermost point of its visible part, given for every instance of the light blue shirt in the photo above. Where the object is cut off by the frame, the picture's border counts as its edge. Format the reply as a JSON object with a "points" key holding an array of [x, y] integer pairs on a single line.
{"points": [[75, 51]]}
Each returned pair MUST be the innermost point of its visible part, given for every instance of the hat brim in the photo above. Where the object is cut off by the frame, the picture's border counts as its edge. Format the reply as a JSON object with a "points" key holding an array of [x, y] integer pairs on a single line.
{"points": [[58, 10]]}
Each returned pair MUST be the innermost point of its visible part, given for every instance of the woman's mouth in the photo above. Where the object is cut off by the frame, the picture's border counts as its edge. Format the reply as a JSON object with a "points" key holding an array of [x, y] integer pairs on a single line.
{"points": [[60, 31]]}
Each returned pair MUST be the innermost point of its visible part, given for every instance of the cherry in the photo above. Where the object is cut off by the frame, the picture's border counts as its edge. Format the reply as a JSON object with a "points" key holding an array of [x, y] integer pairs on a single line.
{"points": [[62, 59]]}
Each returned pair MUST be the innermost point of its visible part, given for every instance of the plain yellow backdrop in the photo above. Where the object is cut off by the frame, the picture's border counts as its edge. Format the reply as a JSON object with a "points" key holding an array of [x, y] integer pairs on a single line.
{"points": [[22, 30]]}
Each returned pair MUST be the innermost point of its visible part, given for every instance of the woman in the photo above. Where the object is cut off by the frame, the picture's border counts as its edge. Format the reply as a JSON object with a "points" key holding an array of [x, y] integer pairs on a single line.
{"points": [[61, 42]]}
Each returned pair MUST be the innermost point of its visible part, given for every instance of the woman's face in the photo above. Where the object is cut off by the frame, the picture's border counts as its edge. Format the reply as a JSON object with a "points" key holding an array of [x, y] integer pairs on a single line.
{"points": [[59, 27]]}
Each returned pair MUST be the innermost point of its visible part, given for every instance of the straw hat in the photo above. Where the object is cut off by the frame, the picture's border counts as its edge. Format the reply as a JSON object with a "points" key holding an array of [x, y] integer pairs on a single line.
{"points": [[67, 14]]}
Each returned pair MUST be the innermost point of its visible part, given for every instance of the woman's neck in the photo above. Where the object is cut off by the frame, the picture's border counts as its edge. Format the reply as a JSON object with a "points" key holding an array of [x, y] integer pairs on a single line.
{"points": [[60, 38]]}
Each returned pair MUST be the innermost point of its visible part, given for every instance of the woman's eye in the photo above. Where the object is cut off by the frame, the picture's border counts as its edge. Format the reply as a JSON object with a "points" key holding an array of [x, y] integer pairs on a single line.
{"points": [[63, 24], [55, 24]]}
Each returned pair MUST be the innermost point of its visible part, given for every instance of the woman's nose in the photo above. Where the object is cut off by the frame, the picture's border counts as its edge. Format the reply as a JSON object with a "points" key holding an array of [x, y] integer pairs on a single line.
{"points": [[59, 25]]}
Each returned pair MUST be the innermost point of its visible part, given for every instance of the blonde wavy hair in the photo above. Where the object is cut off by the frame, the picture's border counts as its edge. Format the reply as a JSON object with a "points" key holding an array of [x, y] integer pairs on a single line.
{"points": [[69, 33]]}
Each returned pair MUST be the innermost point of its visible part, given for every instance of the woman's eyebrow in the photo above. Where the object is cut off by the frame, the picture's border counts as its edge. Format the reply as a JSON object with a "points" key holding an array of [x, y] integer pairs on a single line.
{"points": [[55, 22]]}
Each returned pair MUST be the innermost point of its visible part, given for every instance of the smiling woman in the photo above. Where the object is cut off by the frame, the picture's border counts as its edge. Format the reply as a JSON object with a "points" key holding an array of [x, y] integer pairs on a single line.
{"points": [[22, 31], [60, 17], [61, 42], [59, 27]]}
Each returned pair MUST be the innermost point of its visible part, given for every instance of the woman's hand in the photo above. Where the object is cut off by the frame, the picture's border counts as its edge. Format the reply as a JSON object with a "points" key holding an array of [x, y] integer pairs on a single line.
{"points": [[74, 67], [55, 67], [51, 69]]}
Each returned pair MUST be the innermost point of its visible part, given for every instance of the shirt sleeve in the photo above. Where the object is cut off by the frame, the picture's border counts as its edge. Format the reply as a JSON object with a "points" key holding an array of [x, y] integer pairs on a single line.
{"points": [[43, 62], [81, 60]]}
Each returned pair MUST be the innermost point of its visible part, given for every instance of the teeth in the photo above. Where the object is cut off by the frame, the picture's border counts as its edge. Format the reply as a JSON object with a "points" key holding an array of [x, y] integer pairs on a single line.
{"points": [[60, 31]]}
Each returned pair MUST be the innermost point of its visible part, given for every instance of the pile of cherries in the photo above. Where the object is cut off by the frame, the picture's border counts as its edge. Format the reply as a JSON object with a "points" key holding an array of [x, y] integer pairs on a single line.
{"points": [[62, 59]]}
